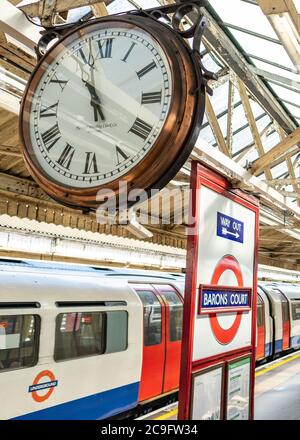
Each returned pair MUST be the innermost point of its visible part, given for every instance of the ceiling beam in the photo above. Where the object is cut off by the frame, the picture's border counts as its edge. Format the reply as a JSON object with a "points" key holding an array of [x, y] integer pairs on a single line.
{"points": [[215, 126], [279, 150], [229, 135], [281, 182], [285, 20], [234, 171], [34, 9], [252, 124], [14, 23], [281, 80], [224, 47]]}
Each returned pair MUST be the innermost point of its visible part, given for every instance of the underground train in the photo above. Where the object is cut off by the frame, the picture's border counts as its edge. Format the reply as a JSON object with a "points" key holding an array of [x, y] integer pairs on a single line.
{"points": [[85, 342]]}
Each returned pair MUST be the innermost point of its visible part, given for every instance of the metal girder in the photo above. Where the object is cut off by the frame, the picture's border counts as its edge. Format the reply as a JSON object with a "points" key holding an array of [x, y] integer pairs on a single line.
{"points": [[229, 136], [279, 150], [14, 23], [217, 39], [278, 79], [214, 124], [252, 124], [292, 195], [288, 181], [243, 154]]}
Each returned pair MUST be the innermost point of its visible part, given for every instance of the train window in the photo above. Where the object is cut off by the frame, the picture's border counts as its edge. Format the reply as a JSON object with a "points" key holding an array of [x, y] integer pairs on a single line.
{"points": [[152, 317], [176, 311], [79, 335], [90, 333], [260, 316], [285, 306], [19, 341], [296, 310], [117, 324]]}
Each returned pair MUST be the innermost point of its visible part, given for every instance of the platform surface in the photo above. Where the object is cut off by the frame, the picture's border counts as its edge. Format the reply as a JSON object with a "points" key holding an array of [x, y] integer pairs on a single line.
{"points": [[277, 392]]}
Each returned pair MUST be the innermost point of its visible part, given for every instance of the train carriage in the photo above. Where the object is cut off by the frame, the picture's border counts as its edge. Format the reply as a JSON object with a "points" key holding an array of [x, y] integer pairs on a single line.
{"points": [[264, 335], [292, 294], [279, 312], [84, 342], [69, 348]]}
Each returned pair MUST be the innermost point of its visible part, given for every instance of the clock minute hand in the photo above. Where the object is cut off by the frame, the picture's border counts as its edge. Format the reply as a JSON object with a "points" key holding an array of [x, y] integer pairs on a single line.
{"points": [[95, 101]]}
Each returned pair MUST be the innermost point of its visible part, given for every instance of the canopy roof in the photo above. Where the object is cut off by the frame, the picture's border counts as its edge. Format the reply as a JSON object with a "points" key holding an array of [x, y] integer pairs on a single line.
{"points": [[252, 120]]}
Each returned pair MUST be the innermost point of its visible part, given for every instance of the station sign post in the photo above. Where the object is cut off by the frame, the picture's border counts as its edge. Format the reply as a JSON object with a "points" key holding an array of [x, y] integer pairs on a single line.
{"points": [[219, 322]]}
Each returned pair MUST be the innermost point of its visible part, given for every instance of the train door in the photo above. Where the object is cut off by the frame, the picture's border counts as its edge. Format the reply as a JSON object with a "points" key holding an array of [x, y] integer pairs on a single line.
{"points": [[173, 333], [261, 329], [285, 321], [162, 339], [154, 342]]}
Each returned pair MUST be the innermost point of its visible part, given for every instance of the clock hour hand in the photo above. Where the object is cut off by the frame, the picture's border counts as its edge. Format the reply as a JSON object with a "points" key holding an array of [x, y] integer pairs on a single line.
{"points": [[95, 101]]}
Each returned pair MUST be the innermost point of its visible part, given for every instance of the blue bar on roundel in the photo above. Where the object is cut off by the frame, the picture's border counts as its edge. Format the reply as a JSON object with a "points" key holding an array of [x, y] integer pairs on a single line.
{"points": [[215, 299]]}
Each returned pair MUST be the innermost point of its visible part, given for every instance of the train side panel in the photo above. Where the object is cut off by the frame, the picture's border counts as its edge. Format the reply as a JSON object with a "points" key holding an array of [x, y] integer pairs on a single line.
{"points": [[93, 375]]}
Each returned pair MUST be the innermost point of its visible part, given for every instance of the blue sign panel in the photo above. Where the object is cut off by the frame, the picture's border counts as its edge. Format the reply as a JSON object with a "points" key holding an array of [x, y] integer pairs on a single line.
{"points": [[230, 228], [220, 299]]}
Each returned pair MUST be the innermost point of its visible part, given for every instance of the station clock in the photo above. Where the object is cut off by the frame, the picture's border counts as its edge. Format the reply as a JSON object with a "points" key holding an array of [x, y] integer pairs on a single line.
{"points": [[115, 99]]}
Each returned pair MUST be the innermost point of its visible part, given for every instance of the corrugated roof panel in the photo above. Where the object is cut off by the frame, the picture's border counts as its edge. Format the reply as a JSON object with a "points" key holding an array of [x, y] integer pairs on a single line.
{"points": [[245, 15], [279, 170], [270, 141], [276, 70], [262, 48], [286, 94]]}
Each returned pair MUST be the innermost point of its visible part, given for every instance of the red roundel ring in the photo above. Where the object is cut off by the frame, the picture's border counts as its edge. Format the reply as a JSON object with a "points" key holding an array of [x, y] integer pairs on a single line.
{"points": [[224, 336], [43, 374]]}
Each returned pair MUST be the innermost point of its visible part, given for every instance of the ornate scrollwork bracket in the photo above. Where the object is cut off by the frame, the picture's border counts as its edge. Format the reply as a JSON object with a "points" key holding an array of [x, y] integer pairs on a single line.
{"points": [[184, 17], [180, 15]]}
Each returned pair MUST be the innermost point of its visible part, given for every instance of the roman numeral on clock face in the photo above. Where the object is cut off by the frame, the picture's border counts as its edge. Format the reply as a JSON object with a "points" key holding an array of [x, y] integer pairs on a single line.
{"points": [[141, 128], [55, 80], [146, 69], [49, 111], [128, 52], [66, 157], [80, 56], [90, 166], [151, 98], [105, 48], [51, 136], [120, 155]]}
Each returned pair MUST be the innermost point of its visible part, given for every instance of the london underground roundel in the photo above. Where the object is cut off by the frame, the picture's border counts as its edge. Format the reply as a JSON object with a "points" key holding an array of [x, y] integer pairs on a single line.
{"points": [[225, 336]]}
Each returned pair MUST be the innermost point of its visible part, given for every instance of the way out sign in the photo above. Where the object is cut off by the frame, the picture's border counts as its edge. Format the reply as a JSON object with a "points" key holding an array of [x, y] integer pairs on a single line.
{"points": [[219, 323]]}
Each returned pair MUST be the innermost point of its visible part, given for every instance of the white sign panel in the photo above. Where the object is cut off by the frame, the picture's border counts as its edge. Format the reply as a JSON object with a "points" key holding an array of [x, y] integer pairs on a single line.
{"points": [[207, 395], [238, 394], [226, 233]]}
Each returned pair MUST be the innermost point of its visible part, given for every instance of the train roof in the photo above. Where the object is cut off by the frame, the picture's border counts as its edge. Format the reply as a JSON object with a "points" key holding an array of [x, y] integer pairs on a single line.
{"points": [[291, 291], [110, 272]]}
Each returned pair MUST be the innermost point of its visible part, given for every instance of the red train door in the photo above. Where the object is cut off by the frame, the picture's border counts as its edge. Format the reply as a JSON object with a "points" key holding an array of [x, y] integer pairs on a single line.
{"points": [[154, 342], [285, 324], [174, 311], [261, 329], [285, 321]]}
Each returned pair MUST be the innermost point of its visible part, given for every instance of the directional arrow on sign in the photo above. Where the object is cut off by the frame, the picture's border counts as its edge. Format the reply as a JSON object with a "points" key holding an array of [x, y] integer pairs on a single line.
{"points": [[225, 232]]}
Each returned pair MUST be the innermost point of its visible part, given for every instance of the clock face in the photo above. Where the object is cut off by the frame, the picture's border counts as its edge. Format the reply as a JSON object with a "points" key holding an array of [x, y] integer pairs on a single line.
{"points": [[100, 106]]}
